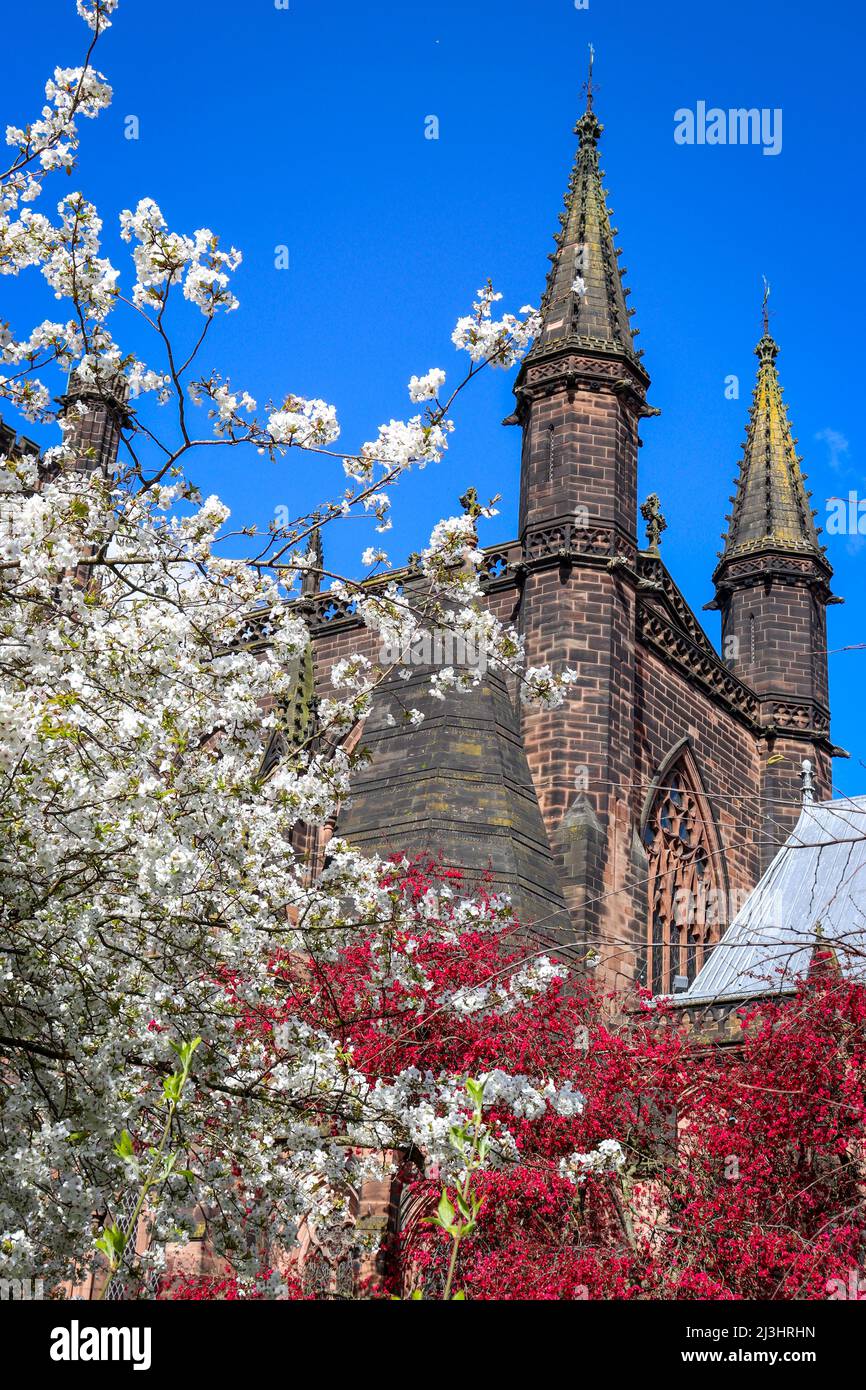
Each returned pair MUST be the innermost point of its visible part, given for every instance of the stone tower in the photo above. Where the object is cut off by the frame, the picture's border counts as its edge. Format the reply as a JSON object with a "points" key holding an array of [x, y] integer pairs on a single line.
{"points": [[581, 393], [94, 413], [650, 799], [772, 587]]}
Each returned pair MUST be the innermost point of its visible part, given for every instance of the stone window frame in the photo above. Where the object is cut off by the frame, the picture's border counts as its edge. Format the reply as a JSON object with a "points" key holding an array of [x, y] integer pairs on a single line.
{"points": [[686, 872]]}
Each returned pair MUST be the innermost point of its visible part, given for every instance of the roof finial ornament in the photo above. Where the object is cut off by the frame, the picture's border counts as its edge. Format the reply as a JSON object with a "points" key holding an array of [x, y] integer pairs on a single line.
{"points": [[587, 86], [311, 575], [807, 781], [768, 349], [651, 511], [588, 126], [470, 504]]}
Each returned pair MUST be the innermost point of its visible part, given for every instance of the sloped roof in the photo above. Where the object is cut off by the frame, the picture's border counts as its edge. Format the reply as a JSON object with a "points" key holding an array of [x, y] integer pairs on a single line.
{"points": [[813, 893], [457, 786]]}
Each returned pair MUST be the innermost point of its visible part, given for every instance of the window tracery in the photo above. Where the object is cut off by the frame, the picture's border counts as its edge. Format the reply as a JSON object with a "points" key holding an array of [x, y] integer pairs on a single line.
{"points": [[686, 897]]}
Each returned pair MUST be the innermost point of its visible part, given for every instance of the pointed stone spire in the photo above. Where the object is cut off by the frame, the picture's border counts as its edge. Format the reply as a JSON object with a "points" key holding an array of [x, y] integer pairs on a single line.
{"points": [[772, 589], [311, 579], [584, 303], [771, 506]]}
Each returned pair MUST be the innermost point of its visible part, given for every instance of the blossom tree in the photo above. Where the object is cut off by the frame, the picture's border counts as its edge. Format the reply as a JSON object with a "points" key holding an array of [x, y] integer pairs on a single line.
{"points": [[149, 875], [599, 1150]]}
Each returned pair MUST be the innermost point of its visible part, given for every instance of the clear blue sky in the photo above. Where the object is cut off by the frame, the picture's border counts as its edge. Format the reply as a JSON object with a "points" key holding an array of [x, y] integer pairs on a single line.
{"points": [[305, 127]]}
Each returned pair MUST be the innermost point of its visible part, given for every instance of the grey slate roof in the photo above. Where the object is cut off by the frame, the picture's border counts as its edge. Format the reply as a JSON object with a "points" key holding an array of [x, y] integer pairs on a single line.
{"points": [[814, 892], [458, 786]]}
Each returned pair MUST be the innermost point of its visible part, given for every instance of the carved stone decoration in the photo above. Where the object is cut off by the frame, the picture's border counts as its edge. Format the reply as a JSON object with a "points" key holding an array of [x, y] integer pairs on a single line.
{"points": [[686, 896], [651, 511], [705, 668]]}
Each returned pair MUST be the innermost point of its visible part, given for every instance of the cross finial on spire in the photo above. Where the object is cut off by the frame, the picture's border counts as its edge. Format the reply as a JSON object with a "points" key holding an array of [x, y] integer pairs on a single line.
{"points": [[765, 313], [587, 86]]}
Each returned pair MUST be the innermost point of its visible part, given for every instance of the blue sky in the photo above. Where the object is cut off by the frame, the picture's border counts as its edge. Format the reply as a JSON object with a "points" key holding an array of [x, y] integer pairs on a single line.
{"points": [[305, 128]]}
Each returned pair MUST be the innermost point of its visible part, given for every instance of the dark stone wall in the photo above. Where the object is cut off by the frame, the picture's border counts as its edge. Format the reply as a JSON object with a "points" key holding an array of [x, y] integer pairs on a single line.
{"points": [[774, 618], [779, 629], [457, 787], [729, 759]]}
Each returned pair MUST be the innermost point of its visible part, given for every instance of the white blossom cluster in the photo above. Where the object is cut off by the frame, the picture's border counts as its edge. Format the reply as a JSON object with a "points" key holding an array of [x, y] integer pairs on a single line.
{"points": [[95, 12], [609, 1157], [431, 1106], [50, 142], [427, 387], [305, 423], [163, 258], [502, 996], [399, 445], [543, 686], [501, 342]]}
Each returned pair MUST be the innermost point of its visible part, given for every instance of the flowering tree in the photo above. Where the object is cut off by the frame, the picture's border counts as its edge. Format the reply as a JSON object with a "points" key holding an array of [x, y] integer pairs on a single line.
{"points": [[734, 1175], [651, 1163], [149, 878], [598, 1150], [188, 1019]]}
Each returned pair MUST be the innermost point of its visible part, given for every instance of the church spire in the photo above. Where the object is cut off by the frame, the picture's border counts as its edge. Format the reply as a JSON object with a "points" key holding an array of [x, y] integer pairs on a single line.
{"points": [[772, 588], [311, 578], [771, 510], [584, 303]]}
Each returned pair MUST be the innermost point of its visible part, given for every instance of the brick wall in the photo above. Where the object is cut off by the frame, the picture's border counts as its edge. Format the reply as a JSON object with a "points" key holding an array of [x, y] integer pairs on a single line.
{"points": [[728, 756]]}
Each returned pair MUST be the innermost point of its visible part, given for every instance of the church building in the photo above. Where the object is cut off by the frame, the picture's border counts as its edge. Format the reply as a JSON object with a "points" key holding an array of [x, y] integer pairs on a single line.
{"points": [[630, 823], [671, 773]]}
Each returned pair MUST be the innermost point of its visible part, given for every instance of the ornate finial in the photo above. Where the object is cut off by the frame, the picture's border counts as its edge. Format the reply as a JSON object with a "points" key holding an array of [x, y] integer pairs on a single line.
{"points": [[470, 504], [767, 349], [765, 315], [655, 522], [587, 86], [311, 578], [807, 781], [589, 127]]}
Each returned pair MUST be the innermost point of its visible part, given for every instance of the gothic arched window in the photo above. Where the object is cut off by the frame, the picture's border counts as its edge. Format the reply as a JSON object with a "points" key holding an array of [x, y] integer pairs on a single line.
{"points": [[686, 907]]}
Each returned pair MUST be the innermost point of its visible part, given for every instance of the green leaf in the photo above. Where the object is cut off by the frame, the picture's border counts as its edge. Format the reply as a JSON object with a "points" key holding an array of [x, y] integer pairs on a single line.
{"points": [[172, 1087], [475, 1090], [123, 1147], [112, 1242], [445, 1214], [463, 1206], [445, 1210], [458, 1138], [167, 1165], [185, 1050]]}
